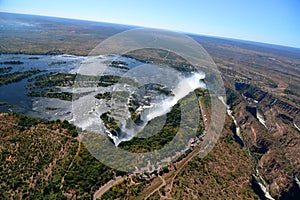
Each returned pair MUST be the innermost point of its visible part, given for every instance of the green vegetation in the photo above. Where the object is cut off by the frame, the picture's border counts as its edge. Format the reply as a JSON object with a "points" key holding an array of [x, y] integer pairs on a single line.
{"points": [[119, 64], [201, 92], [5, 70], [52, 79], [108, 80], [105, 95], [71, 129], [110, 123], [292, 92], [160, 56], [163, 90], [3, 103], [37, 155], [45, 86], [102, 81], [34, 159], [211, 179], [57, 63], [27, 122], [17, 76], [67, 96], [125, 189], [51, 108], [159, 139], [232, 98], [119, 95], [33, 58], [13, 62], [86, 175]]}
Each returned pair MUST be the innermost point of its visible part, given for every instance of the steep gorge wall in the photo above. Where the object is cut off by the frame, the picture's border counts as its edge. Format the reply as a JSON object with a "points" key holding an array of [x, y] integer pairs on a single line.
{"points": [[274, 142]]}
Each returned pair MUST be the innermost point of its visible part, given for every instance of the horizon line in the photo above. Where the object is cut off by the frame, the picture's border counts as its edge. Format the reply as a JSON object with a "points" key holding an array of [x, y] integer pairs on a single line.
{"points": [[180, 31]]}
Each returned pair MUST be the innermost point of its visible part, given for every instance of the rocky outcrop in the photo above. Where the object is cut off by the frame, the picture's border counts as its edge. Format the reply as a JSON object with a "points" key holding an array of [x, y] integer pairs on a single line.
{"points": [[250, 91], [268, 128], [265, 99]]}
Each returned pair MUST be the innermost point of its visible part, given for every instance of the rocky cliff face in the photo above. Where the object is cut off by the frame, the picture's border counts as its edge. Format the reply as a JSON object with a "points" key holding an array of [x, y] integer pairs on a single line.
{"points": [[269, 128]]}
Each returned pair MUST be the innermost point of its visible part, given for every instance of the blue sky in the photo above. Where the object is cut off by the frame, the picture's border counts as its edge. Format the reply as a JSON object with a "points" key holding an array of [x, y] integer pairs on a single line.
{"points": [[268, 21]]}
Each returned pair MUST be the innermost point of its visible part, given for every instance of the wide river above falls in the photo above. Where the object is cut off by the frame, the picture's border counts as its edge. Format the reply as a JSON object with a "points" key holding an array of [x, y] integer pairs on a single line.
{"points": [[14, 98]]}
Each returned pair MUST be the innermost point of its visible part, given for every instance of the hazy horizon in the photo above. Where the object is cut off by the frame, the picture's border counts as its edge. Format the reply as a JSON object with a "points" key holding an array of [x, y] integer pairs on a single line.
{"points": [[184, 32], [271, 21]]}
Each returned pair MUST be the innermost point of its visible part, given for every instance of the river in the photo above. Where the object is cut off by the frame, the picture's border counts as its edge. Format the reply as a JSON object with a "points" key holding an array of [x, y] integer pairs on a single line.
{"points": [[261, 183]]}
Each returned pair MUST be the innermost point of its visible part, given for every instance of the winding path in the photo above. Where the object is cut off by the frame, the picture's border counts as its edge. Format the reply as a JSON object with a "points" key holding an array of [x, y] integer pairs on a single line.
{"points": [[107, 186]]}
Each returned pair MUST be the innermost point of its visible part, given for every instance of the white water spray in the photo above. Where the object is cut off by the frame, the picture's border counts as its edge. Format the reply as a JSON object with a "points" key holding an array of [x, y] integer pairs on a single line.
{"points": [[184, 87]]}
